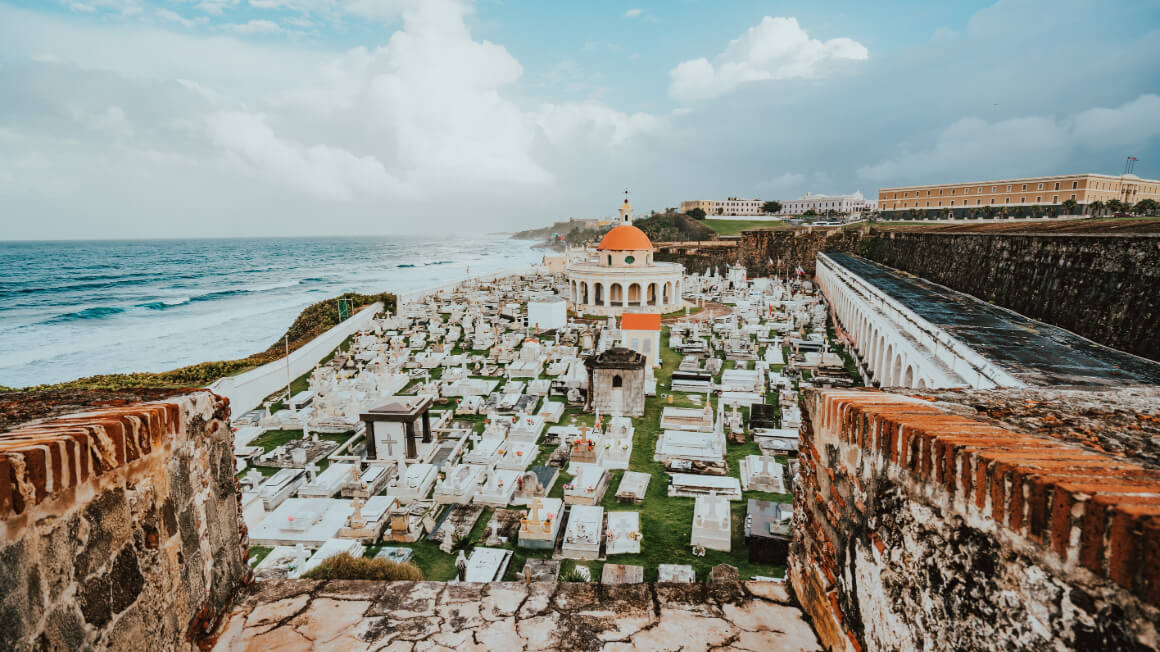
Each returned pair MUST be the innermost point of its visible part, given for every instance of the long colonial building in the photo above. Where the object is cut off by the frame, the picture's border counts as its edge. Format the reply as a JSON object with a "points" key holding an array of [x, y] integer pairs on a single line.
{"points": [[1016, 193], [845, 204], [730, 206]]}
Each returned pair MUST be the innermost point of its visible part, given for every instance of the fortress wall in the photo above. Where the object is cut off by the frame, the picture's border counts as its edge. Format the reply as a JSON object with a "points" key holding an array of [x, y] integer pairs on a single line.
{"points": [[120, 527], [918, 526]]}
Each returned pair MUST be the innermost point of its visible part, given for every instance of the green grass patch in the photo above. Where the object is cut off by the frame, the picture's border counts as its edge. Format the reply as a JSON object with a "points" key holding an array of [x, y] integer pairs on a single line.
{"points": [[735, 227]]}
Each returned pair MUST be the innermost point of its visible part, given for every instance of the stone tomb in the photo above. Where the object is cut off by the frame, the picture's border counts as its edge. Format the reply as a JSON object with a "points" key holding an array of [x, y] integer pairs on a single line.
{"points": [[690, 446], [582, 536], [622, 535], [487, 564], [674, 418], [503, 526], [414, 483], [280, 486], [689, 485], [329, 482], [400, 430], [540, 527], [407, 523], [621, 574], [367, 518], [527, 427], [633, 485], [297, 453], [397, 554], [587, 486], [761, 473], [459, 484], [487, 451], [536, 482], [281, 563], [518, 455], [499, 489], [676, 573], [541, 570], [711, 522], [768, 531], [369, 482], [458, 521], [309, 521], [616, 382]]}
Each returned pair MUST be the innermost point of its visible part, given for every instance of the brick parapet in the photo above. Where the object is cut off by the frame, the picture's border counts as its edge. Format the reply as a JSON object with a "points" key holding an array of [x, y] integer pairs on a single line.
{"points": [[41, 460], [1075, 509]]}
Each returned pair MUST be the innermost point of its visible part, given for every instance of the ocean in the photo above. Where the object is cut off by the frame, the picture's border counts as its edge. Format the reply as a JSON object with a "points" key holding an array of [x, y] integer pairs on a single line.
{"points": [[77, 308]]}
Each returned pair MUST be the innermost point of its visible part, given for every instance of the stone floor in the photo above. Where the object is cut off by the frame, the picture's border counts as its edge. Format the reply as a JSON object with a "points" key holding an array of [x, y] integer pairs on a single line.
{"points": [[292, 615]]}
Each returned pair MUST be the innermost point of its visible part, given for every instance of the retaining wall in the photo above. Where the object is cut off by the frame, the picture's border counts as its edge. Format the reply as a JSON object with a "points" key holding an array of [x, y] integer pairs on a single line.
{"points": [[120, 527]]}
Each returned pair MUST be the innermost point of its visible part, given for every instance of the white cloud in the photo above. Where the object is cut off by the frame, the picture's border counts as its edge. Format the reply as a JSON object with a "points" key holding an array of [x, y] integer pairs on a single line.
{"points": [[256, 26], [775, 48], [174, 17], [633, 13], [1019, 146], [572, 123], [322, 171]]}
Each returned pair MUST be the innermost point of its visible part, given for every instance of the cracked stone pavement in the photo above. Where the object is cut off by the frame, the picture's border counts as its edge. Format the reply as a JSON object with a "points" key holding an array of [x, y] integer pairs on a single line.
{"points": [[288, 615]]}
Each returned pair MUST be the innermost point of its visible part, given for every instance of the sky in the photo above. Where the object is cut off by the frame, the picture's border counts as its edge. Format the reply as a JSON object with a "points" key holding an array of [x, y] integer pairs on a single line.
{"points": [[218, 118]]}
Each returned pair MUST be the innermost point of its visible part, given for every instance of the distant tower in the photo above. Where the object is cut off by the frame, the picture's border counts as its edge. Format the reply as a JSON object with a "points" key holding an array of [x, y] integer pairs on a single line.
{"points": [[626, 210]]}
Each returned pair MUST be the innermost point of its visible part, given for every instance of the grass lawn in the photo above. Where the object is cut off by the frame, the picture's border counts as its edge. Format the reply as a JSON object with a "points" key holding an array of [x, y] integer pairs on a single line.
{"points": [[735, 227]]}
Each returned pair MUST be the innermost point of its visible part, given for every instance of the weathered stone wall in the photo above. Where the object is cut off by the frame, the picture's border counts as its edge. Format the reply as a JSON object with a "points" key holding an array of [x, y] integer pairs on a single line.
{"points": [[920, 525], [1106, 288], [120, 527], [794, 248]]}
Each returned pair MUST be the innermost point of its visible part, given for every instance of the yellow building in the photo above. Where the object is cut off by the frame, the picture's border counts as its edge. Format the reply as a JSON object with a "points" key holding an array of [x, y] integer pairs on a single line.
{"points": [[1012, 194], [703, 204]]}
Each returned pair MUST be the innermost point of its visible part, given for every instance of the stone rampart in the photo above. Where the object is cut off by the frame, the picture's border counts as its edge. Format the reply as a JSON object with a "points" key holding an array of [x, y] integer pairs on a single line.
{"points": [[1102, 287], [927, 523], [120, 527]]}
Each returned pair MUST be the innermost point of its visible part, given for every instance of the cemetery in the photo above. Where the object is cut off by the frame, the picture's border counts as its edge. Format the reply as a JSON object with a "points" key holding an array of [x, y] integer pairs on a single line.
{"points": [[456, 437]]}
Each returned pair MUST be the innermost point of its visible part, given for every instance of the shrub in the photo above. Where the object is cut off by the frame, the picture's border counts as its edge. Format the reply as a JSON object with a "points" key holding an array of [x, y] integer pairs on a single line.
{"points": [[346, 567]]}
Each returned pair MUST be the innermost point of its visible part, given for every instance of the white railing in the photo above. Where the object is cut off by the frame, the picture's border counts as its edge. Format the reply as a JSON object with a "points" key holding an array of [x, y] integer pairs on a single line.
{"points": [[247, 390]]}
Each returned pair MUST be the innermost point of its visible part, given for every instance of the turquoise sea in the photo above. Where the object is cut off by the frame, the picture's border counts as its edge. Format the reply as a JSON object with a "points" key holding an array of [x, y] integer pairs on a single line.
{"points": [[75, 308]]}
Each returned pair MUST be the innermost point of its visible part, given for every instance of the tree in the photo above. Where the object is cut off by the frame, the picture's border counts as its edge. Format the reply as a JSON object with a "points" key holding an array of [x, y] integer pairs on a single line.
{"points": [[771, 207], [1146, 207], [809, 213], [697, 213], [1116, 206], [1096, 208], [1071, 207]]}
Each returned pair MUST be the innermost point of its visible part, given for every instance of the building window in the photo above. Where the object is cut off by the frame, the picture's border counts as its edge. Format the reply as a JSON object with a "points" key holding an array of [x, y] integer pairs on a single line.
{"points": [[617, 381], [1008, 187], [940, 202], [1024, 187], [992, 201], [1073, 197], [1074, 185], [952, 202], [1055, 199], [1040, 187], [1038, 199], [978, 201], [993, 188], [610, 260], [1022, 200], [629, 260], [1057, 185]]}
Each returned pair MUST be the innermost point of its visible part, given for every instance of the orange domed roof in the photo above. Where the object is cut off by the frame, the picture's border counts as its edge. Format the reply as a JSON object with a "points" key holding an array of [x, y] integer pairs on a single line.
{"points": [[625, 237]]}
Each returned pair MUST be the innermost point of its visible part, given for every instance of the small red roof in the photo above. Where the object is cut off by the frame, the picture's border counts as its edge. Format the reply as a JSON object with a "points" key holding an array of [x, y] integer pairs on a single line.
{"points": [[637, 321]]}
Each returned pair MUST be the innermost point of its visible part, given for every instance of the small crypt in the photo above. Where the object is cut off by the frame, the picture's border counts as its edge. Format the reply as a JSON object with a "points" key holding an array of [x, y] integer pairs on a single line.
{"points": [[616, 382]]}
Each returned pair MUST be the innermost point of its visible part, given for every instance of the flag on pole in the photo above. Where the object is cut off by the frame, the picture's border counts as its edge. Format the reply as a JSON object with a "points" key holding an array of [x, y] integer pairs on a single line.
{"points": [[1133, 158], [800, 271]]}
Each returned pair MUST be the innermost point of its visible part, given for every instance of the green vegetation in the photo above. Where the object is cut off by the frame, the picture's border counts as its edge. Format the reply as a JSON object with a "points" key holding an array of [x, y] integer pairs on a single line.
{"points": [[674, 227], [311, 322], [343, 566], [771, 207], [735, 227], [697, 213]]}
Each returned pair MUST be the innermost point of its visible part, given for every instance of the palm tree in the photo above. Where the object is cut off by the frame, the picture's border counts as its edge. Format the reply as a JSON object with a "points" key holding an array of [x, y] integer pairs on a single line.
{"points": [[1071, 207], [1096, 208], [1116, 206]]}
